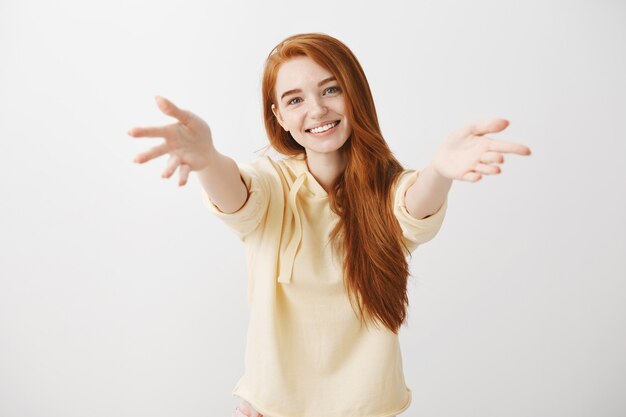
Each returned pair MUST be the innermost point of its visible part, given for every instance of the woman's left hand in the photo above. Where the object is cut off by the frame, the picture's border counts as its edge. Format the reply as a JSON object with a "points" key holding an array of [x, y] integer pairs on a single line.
{"points": [[467, 154]]}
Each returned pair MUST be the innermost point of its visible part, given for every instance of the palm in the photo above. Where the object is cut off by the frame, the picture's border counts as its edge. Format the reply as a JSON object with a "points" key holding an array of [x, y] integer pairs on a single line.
{"points": [[467, 154], [188, 142]]}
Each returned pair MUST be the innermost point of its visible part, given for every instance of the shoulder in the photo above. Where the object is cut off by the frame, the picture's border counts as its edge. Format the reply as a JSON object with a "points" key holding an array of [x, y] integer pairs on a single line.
{"points": [[268, 165], [284, 170], [275, 175]]}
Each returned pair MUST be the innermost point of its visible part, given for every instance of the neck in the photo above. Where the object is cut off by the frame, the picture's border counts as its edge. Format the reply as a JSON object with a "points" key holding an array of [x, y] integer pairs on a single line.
{"points": [[326, 167]]}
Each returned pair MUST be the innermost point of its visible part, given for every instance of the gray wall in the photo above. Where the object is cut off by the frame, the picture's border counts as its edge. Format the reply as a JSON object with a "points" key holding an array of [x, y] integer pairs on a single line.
{"points": [[120, 295]]}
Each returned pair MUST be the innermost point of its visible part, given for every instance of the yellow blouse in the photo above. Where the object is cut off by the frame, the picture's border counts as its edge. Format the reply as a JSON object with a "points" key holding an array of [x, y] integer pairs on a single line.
{"points": [[307, 354]]}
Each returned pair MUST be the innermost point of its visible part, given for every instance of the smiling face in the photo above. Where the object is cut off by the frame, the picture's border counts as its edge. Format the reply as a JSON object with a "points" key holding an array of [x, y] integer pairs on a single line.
{"points": [[311, 107]]}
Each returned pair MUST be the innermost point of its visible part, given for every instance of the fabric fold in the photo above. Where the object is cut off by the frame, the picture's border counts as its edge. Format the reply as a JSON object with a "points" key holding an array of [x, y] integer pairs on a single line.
{"points": [[288, 257]]}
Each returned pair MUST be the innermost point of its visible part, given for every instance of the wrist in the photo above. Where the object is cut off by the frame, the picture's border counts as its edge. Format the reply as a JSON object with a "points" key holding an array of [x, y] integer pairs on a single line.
{"points": [[211, 158], [434, 171]]}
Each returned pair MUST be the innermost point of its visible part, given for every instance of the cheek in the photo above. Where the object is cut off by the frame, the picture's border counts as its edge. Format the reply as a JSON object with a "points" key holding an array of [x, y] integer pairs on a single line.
{"points": [[341, 104], [293, 121]]}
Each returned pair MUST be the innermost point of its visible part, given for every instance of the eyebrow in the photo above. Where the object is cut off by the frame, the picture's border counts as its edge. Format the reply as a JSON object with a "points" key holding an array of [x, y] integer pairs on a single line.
{"points": [[297, 90]]}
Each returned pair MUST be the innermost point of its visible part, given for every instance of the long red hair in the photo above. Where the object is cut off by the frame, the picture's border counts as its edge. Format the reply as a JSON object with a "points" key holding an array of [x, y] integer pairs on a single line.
{"points": [[375, 265]]}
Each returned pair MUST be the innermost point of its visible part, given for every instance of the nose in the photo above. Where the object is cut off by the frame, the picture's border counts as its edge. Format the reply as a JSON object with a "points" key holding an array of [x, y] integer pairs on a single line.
{"points": [[317, 108]]}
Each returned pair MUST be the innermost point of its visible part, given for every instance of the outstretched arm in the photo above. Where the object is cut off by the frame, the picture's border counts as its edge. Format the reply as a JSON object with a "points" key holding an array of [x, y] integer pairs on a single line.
{"points": [[466, 155], [190, 147]]}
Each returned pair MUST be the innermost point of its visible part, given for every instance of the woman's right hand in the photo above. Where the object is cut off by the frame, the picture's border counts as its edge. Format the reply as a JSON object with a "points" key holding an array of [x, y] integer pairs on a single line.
{"points": [[188, 142]]}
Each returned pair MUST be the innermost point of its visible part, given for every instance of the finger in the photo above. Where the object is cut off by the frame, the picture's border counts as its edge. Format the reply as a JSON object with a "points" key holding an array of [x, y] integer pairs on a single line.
{"points": [[151, 154], [150, 132], [492, 158], [499, 145], [487, 169], [489, 126], [170, 109], [172, 164], [183, 172], [472, 176]]}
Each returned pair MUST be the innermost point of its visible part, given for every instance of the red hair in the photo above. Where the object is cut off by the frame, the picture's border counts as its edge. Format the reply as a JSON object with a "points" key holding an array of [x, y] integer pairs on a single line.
{"points": [[375, 267]]}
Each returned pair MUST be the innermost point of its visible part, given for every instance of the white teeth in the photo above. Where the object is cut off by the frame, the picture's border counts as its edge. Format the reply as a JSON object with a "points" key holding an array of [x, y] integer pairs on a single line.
{"points": [[323, 128]]}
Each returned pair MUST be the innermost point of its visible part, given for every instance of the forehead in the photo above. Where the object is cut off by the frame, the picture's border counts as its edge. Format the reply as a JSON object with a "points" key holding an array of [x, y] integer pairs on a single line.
{"points": [[300, 72]]}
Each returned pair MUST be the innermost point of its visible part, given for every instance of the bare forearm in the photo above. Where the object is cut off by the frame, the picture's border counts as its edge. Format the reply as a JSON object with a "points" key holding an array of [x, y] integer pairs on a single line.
{"points": [[223, 184], [427, 194]]}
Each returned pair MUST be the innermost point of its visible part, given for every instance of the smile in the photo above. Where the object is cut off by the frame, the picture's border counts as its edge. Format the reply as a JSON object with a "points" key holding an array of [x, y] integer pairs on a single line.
{"points": [[323, 129]]}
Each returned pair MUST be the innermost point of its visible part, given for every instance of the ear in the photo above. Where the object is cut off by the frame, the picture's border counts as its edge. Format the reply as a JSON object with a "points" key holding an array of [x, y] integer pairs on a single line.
{"points": [[279, 117]]}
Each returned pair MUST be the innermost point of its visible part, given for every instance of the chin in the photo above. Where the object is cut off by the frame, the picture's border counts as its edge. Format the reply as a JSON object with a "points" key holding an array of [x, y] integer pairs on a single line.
{"points": [[326, 147]]}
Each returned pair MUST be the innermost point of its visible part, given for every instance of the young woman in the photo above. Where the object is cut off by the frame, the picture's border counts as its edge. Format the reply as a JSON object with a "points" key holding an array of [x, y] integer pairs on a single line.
{"points": [[327, 230]]}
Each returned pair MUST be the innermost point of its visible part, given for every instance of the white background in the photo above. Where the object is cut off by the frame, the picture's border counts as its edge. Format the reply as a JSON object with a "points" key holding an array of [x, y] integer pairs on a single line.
{"points": [[120, 295]]}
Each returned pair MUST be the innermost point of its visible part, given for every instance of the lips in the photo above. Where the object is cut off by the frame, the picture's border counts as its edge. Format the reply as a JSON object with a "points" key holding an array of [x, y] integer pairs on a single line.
{"points": [[335, 122]]}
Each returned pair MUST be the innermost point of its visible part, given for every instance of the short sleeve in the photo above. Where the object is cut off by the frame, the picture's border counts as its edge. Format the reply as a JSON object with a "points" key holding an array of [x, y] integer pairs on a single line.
{"points": [[248, 218], [415, 231]]}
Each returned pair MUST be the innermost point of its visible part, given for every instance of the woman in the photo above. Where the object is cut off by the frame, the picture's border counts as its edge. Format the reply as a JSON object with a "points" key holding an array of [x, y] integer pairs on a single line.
{"points": [[327, 230]]}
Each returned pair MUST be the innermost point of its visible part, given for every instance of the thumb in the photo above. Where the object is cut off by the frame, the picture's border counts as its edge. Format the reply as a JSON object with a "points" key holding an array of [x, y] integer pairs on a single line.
{"points": [[172, 110], [490, 126]]}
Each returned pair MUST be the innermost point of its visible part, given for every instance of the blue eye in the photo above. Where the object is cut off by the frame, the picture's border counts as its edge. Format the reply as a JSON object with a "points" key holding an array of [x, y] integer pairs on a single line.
{"points": [[336, 89], [291, 102]]}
